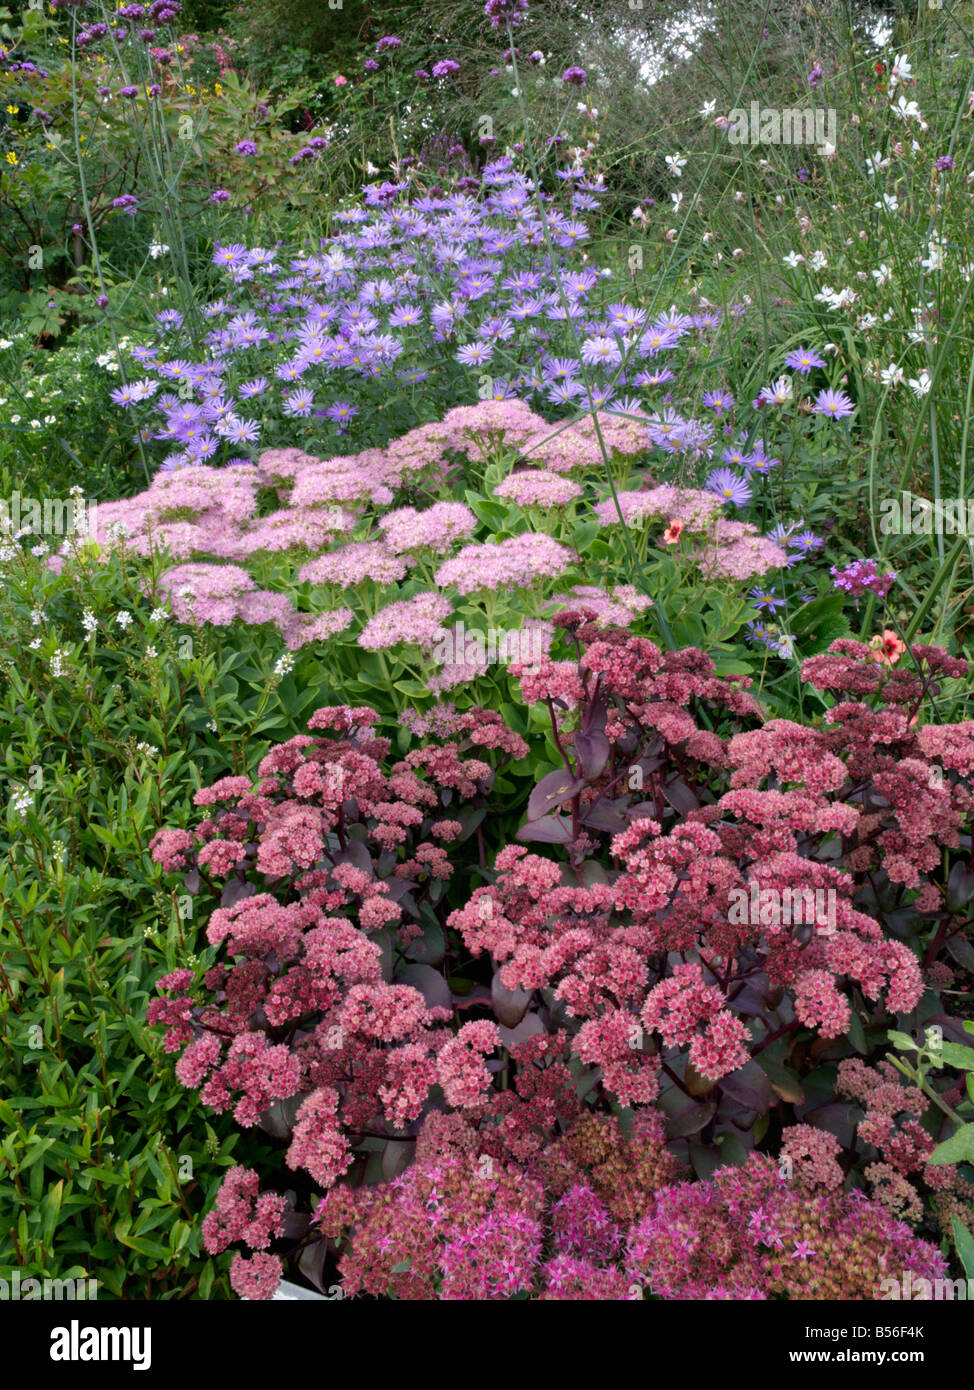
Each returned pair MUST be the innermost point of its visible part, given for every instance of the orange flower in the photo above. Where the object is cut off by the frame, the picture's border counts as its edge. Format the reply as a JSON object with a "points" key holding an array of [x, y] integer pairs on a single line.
{"points": [[888, 649], [674, 531]]}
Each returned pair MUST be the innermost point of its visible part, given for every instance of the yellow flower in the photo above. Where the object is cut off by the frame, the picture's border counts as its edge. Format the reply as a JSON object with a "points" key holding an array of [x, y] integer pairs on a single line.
{"points": [[11, 157], [217, 89], [12, 110]]}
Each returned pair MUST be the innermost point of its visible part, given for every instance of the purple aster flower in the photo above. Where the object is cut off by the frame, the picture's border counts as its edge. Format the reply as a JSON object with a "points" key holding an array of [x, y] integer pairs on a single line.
{"points": [[475, 354], [735, 456], [299, 402], [248, 389], [601, 352], [803, 360], [718, 400], [729, 486], [767, 599], [341, 412], [806, 541], [170, 318], [233, 255], [835, 404]]}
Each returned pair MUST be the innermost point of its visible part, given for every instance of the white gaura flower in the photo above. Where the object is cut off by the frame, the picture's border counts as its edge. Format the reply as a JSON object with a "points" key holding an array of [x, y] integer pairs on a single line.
{"points": [[882, 274], [818, 260], [892, 375], [920, 385], [676, 164], [907, 110], [935, 255], [889, 201], [708, 108], [157, 249], [793, 259], [901, 71]]}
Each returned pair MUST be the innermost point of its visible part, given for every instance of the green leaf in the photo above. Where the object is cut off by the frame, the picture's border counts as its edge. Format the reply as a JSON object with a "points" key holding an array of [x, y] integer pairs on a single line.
{"points": [[959, 1148], [964, 1242]]}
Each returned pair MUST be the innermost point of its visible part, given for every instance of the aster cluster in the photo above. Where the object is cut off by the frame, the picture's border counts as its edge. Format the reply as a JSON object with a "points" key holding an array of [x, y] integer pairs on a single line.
{"points": [[467, 270]]}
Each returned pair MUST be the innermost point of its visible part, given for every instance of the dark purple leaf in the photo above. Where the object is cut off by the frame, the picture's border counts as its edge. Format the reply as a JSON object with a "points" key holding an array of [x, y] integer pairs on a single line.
{"points": [[551, 792], [592, 751], [312, 1263], [549, 830], [680, 797], [510, 1005], [691, 1119], [606, 815], [529, 1025], [235, 890], [429, 982]]}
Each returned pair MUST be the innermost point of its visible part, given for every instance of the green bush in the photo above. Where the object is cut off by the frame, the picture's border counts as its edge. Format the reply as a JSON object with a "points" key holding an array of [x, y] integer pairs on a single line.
{"points": [[105, 1164]]}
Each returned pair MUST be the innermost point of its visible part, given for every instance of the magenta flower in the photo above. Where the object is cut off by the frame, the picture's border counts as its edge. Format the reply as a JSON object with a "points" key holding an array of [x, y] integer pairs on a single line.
{"points": [[574, 77], [445, 68]]}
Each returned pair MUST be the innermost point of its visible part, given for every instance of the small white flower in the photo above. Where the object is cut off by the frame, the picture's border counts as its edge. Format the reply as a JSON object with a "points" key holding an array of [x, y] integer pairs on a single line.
{"points": [[22, 801], [284, 664], [158, 615], [151, 653], [906, 110], [36, 616], [147, 749], [901, 71], [5, 343], [157, 249], [57, 662], [882, 274], [88, 621], [124, 619]]}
